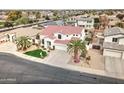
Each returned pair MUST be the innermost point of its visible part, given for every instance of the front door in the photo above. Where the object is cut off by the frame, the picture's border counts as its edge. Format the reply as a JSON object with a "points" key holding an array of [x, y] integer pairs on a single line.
{"points": [[48, 44]]}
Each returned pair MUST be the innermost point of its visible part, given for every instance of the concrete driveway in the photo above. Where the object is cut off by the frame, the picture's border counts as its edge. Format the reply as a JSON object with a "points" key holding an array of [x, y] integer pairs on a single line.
{"points": [[58, 57]]}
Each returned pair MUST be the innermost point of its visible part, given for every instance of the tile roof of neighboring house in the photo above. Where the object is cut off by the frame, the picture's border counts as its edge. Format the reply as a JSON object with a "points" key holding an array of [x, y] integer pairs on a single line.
{"points": [[62, 41], [113, 31], [58, 22], [50, 30], [113, 46]]}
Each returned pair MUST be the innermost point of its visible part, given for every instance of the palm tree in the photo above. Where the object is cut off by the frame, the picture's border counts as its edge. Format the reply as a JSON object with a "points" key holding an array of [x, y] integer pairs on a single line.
{"points": [[23, 42], [76, 46]]}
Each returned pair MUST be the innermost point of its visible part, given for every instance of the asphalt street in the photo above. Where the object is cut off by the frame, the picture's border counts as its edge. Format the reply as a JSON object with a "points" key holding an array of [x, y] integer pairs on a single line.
{"points": [[15, 70]]}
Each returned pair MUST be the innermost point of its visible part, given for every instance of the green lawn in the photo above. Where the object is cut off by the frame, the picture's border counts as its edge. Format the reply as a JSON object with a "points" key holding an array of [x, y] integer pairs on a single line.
{"points": [[36, 53]]}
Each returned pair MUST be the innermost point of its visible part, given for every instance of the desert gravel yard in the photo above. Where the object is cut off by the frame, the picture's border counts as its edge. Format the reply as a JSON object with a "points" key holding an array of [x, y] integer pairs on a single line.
{"points": [[8, 46], [96, 62]]}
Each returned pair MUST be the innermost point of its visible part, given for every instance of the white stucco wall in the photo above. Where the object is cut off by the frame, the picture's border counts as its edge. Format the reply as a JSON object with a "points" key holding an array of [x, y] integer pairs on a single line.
{"points": [[109, 38], [12, 37], [86, 24], [121, 41], [65, 37], [45, 42]]}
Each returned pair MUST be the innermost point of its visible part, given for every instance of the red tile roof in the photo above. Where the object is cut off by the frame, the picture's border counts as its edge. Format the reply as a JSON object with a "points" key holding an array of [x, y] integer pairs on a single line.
{"points": [[62, 41], [50, 30], [51, 37]]}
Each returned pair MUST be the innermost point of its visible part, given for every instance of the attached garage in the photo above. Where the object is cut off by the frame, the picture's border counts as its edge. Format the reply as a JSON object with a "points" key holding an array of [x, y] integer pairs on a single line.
{"points": [[61, 47], [112, 53]]}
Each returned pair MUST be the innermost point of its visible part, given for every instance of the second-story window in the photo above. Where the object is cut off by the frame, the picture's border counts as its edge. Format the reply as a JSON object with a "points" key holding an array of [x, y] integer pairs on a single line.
{"points": [[89, 21], [114, 39], [59, 36]]}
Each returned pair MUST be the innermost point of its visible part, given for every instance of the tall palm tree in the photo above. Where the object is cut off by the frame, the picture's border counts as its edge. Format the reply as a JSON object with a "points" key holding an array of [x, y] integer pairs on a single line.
{"points": [[76, 46], [23, 42]]}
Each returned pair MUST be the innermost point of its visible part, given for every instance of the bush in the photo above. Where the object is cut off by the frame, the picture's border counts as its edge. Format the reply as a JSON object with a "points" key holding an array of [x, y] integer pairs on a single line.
{"points": [[88, 39], [1, 24], [22, 20], [8, 24]]}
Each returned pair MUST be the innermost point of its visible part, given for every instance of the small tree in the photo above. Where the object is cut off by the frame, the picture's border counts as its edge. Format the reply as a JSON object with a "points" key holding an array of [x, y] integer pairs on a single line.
{"points": [[88, 59], [119, 24], [22, 20], [38, 15], [120, 16], [8, 24], [14, 15], [76, 46], [23, 42], [47, 17]]}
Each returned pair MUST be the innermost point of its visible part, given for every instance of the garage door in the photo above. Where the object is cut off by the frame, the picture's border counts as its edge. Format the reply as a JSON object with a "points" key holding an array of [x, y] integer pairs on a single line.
{"points": [[113, 53], [61, 47]]}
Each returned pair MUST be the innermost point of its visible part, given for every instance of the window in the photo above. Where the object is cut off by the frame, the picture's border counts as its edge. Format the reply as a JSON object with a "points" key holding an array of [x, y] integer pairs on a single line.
{"points": [[42, 41], [73, 34], [114, 40], [89, 21], [76, 35], [59, 36], [66, 35], [48, 43]]}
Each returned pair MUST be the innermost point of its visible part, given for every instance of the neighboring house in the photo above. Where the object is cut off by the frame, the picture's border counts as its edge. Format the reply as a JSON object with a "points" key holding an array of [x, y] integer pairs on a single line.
{"points": [[103, 21], [85, 22], [8, 37], [57, 37], [113, 20], [114, 42]]}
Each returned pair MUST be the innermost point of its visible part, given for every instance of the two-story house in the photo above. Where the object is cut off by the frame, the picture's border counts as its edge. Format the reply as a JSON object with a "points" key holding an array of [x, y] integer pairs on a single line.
{"points": [[57, 37], [114, 42], [85, 22]]}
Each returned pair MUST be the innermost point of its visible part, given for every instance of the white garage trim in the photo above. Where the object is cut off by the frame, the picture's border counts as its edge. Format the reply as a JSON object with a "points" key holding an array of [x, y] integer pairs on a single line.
{"points": [[61, 47], [112, 53]]}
